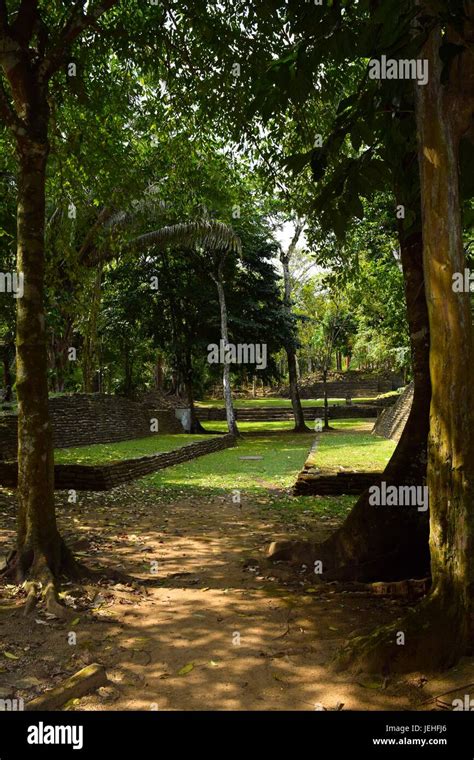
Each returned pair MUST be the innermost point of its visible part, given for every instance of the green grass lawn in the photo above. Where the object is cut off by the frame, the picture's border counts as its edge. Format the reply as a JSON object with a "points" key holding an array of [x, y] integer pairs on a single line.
{"points": [[240, 403], [101, 453], [282, 457], [266, 481], [251, 427], [352, 446]]}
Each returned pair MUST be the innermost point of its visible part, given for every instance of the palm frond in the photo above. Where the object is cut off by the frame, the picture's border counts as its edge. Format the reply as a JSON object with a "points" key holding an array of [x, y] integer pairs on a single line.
{"points": [[206, 233]]}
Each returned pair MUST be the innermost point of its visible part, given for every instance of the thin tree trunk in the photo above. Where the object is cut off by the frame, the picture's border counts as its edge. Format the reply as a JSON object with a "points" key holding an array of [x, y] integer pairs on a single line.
{"points": [[229, 406], [326, 403], [128, 370], [89, 349], [300, 425], [293, 374], [195, 425], [159, 372]]}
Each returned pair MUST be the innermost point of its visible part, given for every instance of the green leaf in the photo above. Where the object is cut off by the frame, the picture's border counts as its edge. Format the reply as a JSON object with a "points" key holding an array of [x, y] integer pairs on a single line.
{"points": [[371, 683]]}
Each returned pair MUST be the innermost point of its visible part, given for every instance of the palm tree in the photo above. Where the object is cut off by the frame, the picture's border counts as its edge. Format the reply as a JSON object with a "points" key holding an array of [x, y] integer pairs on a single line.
{"points": [[217, 239]]}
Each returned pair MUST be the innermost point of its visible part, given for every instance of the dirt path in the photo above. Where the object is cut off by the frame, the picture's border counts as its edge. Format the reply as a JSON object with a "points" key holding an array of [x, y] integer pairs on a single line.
{"points": [[214, 632]]}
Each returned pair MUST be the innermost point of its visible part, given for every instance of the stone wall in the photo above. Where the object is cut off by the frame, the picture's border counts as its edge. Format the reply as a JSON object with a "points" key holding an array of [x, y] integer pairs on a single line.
{"points": [[310, 484], [392, 420], [275, 414], [83, 419], [107, 476], [352, 384]]}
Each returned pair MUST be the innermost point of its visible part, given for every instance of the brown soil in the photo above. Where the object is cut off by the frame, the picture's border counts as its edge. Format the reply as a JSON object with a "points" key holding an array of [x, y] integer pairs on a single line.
{"points": [[214, 629]]}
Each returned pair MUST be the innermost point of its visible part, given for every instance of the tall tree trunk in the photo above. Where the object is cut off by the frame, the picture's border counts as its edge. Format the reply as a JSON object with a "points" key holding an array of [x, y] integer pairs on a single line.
{"points": [[127, 369], [39, 546], [229, 406], [440, 630], [444, 114], [159, 372], [326, 401], [300, 425], [89, 348], [293, 374], [59, 356], [195, 425]]}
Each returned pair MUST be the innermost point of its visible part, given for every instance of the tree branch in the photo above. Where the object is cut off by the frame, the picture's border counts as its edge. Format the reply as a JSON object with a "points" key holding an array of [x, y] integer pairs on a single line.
{"points": [[7, 113], [77, 22], [24, 25]]}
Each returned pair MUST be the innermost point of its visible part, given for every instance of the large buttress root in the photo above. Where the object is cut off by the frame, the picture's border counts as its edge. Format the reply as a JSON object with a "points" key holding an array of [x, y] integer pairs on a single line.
{"points": [[431, 637], [39, 570]]}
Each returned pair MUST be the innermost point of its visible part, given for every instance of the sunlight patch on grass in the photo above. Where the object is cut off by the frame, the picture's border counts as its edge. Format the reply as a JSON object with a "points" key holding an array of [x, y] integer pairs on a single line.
{"points": [[351, 446], [266, 482], [282, 458], [105, 453], [248, 403]]}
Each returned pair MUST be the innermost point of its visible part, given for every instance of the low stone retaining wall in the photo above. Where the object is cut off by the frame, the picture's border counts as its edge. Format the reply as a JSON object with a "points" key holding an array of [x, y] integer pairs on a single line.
{"points": [[107, 476], [349, 387], [278, 413], [392, 421], [311, 484]]}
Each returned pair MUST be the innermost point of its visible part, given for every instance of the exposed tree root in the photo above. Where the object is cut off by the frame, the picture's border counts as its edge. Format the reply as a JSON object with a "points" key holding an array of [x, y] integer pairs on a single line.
{"points": [[196, 427], [301, 429], [431, 637], [41, 576], [43, 589], [373, 544], [30, 563], [31, 597], [40, 573]]}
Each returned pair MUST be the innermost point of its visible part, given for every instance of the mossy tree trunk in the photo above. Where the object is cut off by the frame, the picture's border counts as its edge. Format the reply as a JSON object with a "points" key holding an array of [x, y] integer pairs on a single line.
{"points": [[38, 539], [28, 59], [440, 630], [445, 114]]}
